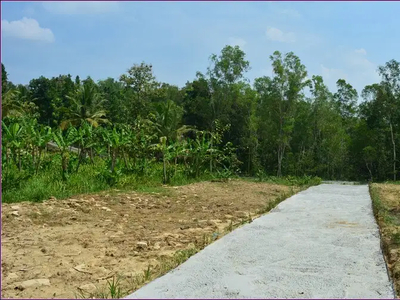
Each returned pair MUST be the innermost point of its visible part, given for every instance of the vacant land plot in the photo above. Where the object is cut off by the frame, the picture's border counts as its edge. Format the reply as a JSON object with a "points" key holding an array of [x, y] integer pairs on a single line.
{"points": [[386, 199], [69, 248]]}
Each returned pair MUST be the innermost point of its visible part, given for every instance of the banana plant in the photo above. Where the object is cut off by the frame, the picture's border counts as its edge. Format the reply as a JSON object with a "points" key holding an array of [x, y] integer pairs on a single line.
{"points": [[85, 141], [64, 141], [199, 150], [165, 149], [116, 140], [41, 136], [13, 138]]}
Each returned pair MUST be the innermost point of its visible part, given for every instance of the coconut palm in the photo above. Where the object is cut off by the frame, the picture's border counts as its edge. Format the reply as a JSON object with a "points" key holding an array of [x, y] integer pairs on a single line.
{"points": [[87, 106], [10, 105]]}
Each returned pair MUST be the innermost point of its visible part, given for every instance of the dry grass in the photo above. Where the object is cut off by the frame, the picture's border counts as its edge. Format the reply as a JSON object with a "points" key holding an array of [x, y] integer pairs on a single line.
{"points": [[386, 203]]}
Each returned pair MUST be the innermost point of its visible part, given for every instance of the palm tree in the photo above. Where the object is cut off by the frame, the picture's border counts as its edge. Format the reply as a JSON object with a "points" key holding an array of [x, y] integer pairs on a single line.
{"points": [[168, 117], [10, 105], [87, 106]]}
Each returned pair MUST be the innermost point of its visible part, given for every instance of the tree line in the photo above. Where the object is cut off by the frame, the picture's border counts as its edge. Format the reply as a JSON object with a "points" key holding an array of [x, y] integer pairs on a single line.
{"points": [[284, 124]]}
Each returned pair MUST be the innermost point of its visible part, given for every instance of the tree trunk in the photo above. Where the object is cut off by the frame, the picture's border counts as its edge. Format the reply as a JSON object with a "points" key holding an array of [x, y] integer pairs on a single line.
{"points": [[79, 159], [33, 156], [165, 170], [369, 170], [38, 161], [176, 164], [19, 160], [125, 161], [281, 151], [113, 159], [91, 155], [64, 163], [249, 162], [394, 152]]}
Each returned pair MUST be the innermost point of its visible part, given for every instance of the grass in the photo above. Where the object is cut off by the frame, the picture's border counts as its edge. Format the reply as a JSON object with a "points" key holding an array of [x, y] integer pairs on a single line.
{"points": [[388, 219], [90, 178], [20, 186], [286, 180]]}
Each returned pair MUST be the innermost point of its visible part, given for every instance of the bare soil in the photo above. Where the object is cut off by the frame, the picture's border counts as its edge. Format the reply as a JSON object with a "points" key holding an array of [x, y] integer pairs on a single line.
{"points": [[60, 248], [389, 223]]}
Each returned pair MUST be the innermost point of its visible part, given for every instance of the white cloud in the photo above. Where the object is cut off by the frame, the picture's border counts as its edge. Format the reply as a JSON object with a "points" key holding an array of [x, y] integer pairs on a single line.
{"points": [[26, 28], [233, 41], [364, 68], [81, 7], [275, 34], [354, 67]]}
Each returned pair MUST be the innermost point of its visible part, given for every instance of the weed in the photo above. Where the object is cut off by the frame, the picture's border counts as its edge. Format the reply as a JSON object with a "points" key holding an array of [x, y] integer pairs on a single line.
{"points": [[396, 238], [147, 274]]}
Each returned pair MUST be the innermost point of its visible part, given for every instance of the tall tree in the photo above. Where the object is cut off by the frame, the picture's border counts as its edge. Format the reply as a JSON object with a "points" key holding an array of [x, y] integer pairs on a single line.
{"points": [[140, 85], [281, 93], [4, 79], [86, 106]]}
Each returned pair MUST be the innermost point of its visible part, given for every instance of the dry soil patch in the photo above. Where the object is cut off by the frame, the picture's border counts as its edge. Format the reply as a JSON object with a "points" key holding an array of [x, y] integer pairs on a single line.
{"points": [[55, 248], [389, 223]]}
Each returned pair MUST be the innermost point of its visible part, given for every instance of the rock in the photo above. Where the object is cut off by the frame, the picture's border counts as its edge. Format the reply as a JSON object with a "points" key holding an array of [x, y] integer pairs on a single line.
{"points": [[12, 276], [228, 216], [157, 246], [15, 213], [184, 227], [88, 288], [33, 283], [141, 245], [105, 208], [242, 214], [81, 268], [15, 207], [52, 198], [211, 223], [135, 253], [195, 195]]}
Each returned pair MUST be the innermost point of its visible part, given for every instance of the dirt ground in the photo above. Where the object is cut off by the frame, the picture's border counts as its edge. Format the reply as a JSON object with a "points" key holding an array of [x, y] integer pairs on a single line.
{"points": [[60, 248], [389, 223]]}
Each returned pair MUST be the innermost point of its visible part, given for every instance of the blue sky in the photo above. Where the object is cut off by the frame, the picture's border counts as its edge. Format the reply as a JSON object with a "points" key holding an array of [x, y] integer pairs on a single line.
{"points": [[103, 39]]}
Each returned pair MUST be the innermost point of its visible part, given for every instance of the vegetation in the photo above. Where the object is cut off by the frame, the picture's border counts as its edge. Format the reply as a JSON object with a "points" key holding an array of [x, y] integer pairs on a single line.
{"points": [[386, 205], [137, 130]]}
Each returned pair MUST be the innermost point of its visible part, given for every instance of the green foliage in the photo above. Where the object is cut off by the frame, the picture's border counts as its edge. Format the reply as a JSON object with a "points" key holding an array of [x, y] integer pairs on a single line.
{"points": [[136, 130]]}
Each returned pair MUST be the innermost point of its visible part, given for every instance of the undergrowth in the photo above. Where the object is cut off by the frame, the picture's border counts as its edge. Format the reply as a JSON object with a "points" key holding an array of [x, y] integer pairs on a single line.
{"points": [[388, 219]]}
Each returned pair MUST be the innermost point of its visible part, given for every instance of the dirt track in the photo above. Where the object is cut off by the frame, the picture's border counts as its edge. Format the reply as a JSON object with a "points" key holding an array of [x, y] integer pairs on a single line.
{"points": [[60, 248]]}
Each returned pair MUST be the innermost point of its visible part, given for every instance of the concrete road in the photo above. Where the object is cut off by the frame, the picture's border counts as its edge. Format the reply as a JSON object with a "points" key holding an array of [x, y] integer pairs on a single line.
{"points": [[321, 243]]}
